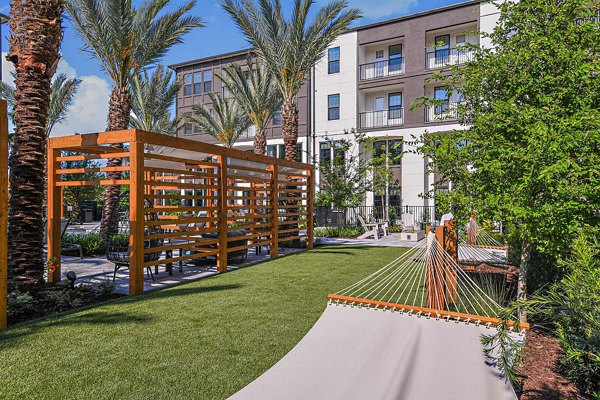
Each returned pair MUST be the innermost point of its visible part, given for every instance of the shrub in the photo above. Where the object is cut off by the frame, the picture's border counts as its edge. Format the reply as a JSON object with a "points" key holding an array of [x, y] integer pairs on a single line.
{"points": [[335, 231], [18, 301], [91, 243], [105, 289]]}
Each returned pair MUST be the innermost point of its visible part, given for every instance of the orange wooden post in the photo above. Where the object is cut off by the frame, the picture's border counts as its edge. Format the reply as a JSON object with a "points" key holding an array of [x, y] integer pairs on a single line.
{"points": [[451, 275], [310, 209], [62, 202], [3, 212], [472, 232], [223, 220], [136, 217], [274, 200], [54, 214], [434, 285]]}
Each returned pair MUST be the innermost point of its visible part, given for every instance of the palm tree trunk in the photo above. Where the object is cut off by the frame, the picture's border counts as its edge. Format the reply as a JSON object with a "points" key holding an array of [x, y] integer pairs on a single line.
{"points": [[260, 141], [119, 109], [36, 35], [289, 116]]}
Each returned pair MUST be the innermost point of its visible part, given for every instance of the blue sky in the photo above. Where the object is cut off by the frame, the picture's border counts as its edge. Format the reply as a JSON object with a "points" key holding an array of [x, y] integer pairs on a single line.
{"points": [[219, 35]]}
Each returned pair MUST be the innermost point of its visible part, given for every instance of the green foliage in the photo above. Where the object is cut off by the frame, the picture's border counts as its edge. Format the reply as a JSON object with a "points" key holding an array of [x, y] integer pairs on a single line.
{"points": [[152, 97], [91, 243], [106, 288], [334, 231], [531, 153], [18, 301]]}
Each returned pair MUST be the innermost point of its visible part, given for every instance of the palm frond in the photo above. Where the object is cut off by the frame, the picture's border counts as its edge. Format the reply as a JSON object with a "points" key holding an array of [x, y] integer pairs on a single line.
{"points": [[225, 122], [152, 97]]}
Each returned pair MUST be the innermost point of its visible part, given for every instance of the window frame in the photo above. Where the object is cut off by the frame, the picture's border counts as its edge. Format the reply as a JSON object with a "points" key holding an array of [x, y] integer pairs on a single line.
{"points": [[207, 83], [331, 108], [333, 64], [188, 87]]}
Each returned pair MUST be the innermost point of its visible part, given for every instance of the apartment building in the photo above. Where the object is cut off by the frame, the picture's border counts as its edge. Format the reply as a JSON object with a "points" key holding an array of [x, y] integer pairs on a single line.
{"points": [[367, 81]]}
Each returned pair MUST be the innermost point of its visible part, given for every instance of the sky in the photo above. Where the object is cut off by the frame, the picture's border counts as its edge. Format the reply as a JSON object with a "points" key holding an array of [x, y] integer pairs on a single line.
{"points": [[219, 35]]}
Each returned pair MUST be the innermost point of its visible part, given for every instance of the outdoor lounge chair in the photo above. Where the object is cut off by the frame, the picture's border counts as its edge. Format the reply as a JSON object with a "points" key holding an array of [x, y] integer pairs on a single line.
{"points": [[370, 229], [117, 248], [411, 231]]}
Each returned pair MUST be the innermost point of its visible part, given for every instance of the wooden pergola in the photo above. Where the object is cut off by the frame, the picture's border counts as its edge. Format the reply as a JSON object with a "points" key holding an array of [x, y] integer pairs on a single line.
{"points": [[196, 192]]}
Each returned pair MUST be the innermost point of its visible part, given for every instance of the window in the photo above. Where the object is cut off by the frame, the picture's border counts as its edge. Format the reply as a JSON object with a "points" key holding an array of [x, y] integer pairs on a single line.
{"points": [[395, 61], [277, 118], [395, 106], [187, 129], [339, 150], [272, 150], [379, 104], [461, 54], [379, 63], [442, 48], [207, 75], [197, 129], [187, 84], [281, 151], [333, 107], [325, 153], [299, 152], [333, 60], [197, 82], [393, 147], [442, 97]]}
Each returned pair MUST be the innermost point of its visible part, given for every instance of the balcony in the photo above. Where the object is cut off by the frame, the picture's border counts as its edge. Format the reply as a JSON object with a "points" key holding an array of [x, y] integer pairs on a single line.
{"points": [[382, 68], [442, 112], [444, 57], [381, 119]]}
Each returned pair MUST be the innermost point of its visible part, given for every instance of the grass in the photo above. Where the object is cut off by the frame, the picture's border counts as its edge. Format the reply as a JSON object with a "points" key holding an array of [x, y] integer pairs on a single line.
{"points": [[203, 340]]}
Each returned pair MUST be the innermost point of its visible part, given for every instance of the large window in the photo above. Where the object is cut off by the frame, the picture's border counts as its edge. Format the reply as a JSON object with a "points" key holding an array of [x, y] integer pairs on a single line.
{"points": [[277, 118], [393, 148], [442, 48], [333, 107], [395, 61], [187, 129], [187, 84], [272, 150], [325, 152], [207, 76], [197, 82], [395, 105], [333, 60], [442, 98], [278, 151]]}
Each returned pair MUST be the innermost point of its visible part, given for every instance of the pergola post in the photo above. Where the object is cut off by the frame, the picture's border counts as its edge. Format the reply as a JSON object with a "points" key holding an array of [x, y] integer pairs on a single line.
{"points": [[54, 215], [136, 216], [3, 213], [274, 200], [310, 209], [451, 275], [223, 220]]}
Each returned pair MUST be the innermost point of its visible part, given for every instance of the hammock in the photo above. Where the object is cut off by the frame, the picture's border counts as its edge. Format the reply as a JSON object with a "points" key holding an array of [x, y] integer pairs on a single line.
{"points": [[411, 330], [477, 246]]}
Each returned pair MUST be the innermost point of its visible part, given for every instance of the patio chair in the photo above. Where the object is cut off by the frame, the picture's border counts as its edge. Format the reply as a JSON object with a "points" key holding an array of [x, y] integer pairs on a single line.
{"points": [[371, 229], [411, 231], [117, 244]]}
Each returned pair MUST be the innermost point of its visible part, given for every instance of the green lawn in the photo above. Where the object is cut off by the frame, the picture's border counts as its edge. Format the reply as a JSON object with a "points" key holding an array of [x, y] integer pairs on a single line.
{"points": [[202, 340]]}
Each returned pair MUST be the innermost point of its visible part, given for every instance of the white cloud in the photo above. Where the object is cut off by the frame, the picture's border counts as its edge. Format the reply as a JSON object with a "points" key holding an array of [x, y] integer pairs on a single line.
{"points": [[90, 105], [378, 9]]}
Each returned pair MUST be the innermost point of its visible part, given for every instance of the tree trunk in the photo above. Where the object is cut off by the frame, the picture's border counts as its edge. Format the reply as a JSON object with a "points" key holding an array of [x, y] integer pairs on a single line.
{"points": [[522, 281], [36, 34], [119, 109], [289, 115], [260, 141]]}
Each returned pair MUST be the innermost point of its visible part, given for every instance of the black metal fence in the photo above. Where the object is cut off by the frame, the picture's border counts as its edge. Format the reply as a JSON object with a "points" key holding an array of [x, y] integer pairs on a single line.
{"points": [[345, 217]]}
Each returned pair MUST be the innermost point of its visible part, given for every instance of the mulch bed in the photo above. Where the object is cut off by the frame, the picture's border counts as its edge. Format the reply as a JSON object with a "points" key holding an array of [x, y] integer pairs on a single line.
{"points": [[541, 371]]}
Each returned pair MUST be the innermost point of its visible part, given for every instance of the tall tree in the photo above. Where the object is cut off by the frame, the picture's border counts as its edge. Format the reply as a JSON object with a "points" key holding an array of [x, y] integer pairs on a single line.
{"points": [[255, 91], [225, 122], [290, 48], [36, 33], [126, 39], [531, 152], [152, 97]]}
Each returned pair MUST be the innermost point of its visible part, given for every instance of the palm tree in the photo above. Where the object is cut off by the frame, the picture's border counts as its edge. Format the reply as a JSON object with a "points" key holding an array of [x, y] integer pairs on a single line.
{"points": [[256, 93], [36, 33], [290, 48], [151, 100], [62, 93], [225, 122], [125, 40]]}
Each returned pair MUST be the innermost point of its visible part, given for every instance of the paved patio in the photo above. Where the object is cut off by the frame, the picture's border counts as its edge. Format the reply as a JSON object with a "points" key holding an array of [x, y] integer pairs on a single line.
{"points": [[393, 240], [96, 269]]}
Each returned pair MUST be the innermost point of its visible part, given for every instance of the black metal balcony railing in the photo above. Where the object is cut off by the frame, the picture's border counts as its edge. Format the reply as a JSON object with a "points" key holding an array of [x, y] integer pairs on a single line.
{"points": [[442, 112], [443, 57], [382, 68], [378, 119]]}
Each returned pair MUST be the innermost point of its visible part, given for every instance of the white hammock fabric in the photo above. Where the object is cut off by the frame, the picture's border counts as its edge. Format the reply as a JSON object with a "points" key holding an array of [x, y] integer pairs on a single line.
{"points": [[362, 353]]}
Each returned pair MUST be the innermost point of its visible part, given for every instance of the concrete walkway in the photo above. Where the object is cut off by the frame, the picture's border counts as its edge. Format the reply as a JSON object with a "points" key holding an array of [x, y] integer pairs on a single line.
{"points": [[393, 240], [94, 270]]}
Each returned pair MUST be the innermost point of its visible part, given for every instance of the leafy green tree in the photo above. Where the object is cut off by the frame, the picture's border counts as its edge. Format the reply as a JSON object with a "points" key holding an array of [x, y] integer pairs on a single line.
{"points": [[226, 121], [126, 39], [152, 97], [254, 89], [530, 154], [290, 48]]}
